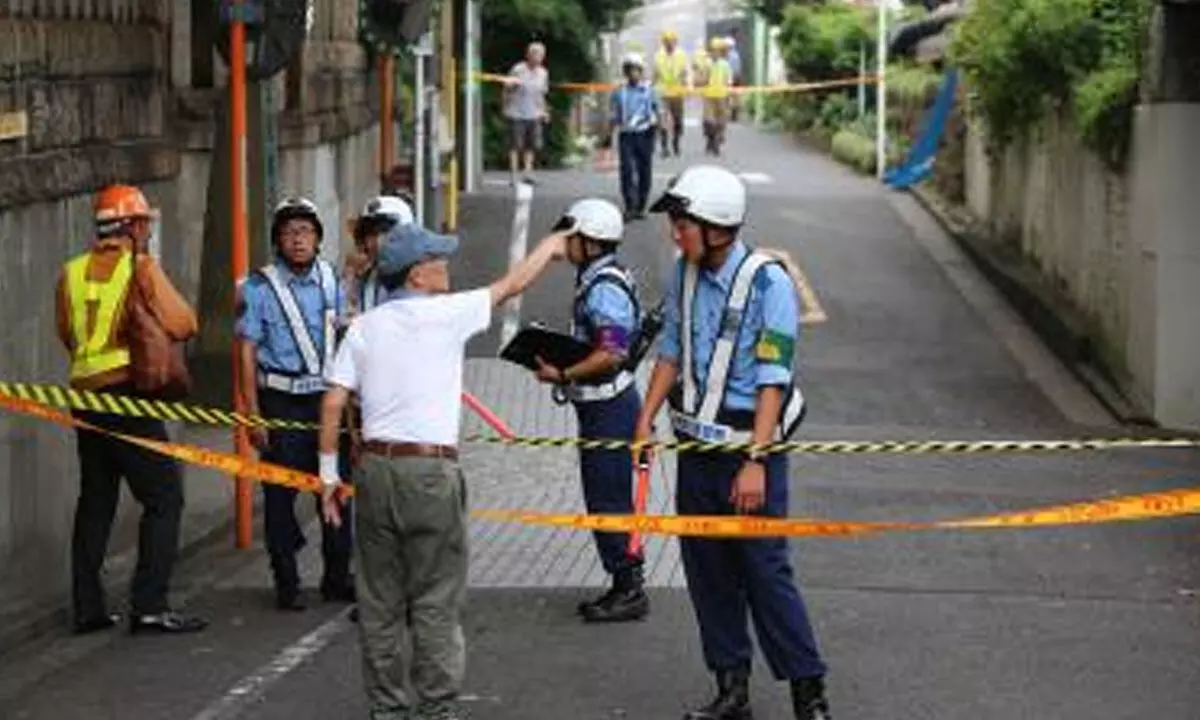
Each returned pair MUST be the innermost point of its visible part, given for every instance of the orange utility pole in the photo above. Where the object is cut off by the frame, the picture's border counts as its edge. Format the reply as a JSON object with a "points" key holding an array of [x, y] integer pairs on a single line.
{"points": [[244, 502]]}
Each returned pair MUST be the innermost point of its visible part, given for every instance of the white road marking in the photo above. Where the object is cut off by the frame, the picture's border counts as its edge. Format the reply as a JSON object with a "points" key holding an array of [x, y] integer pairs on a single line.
{"points": [[250, 688], [518, 246], [691, 122], [756, 178]]}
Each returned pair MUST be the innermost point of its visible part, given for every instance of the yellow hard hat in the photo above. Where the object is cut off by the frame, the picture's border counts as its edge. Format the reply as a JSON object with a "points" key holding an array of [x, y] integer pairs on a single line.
{"points": [[669, 34], [716, 43]]}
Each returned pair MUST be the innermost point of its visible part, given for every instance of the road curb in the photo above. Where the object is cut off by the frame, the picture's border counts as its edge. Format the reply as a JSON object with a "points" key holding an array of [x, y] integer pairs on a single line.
{"points": [[1050, 314]]}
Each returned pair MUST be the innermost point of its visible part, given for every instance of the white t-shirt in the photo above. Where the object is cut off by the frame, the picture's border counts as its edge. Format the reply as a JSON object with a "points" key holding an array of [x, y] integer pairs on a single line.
{"points": [[404, 358]]}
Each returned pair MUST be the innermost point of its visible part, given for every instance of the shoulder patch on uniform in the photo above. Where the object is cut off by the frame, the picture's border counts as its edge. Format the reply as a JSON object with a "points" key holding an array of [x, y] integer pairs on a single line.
{"points": [[775, 348]]}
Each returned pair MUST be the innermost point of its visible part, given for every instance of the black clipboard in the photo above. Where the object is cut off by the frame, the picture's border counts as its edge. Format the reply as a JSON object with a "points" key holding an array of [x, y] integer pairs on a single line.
{"points": [[556, 348]]}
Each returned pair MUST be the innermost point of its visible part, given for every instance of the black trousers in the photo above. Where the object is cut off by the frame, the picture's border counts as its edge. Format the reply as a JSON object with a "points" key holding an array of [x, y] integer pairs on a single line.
{"points": [[156, 483], [297, 449], [636, 157]]}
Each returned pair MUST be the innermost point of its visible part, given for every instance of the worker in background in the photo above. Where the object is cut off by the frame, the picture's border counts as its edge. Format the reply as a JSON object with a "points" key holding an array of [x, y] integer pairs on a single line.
{"points": [[92, 319], [671, 82], [735, 71], [716, 97], [405, 359], [607, 316], [725, 364], [287, 321], [378, 217], [634, 117]]}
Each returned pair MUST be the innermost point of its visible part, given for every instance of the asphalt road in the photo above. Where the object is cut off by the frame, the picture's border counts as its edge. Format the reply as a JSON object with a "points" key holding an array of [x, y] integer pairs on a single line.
{"points": [[1073, 623]]}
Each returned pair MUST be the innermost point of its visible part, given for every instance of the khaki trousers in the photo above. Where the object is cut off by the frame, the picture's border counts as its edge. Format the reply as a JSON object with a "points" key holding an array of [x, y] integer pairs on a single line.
{"points": [[411, 548]]}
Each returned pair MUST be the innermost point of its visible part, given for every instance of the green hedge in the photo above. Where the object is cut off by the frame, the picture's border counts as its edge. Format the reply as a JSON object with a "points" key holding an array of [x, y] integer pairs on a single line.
{"points": [[1025, 58]]}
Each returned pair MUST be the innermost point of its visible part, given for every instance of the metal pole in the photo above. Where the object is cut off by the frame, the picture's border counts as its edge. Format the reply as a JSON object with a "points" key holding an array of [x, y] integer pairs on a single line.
{"points": [[468, 104], [244, 506], [881, 93], [419, 142], [862, 83]]}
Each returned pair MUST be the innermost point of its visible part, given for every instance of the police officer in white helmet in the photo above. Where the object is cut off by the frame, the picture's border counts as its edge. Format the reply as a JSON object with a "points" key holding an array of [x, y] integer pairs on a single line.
{"points": [[606, 315], [725, 365], [289, 311], [379, 216], [635, 114]]}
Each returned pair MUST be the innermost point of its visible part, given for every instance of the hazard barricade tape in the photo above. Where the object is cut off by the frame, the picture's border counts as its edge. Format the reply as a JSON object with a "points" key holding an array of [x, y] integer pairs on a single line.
{"points": [[1171, 503], [62, 397], [703, 92]]}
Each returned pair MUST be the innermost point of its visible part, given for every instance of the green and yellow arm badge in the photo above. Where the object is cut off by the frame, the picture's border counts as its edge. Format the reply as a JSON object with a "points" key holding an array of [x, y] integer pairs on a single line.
{"points": [[775, 348]]}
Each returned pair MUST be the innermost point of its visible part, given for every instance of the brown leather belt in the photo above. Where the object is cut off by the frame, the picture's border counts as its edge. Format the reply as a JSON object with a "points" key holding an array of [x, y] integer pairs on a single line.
{"points": [[407, 449]]}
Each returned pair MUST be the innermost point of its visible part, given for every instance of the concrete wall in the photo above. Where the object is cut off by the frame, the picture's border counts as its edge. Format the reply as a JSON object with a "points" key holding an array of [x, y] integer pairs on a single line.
{"points": [[102, 108], [1057, 202], [1124, 249]]}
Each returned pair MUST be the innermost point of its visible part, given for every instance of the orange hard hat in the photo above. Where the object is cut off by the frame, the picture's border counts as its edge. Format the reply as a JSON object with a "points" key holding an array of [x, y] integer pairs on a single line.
{"points": [[120, 202]]}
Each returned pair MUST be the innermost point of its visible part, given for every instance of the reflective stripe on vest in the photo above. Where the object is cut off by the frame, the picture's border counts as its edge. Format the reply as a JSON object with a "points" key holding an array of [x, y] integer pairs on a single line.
{"points": [[703, 419], [313, 362], [93, 353]]}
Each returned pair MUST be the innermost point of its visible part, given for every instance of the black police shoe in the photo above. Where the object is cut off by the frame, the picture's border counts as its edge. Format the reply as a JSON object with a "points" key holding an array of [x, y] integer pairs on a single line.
{"points": [[96, 624], [732, 701], [342, 594], [625, 602], [808, 699], [169, 622]]}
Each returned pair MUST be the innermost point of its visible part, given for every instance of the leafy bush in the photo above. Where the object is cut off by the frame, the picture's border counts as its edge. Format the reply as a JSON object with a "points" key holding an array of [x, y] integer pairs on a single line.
{"points": [[823, 42], [1023, 58], [912, 84], [855, 150], [836, 111]]}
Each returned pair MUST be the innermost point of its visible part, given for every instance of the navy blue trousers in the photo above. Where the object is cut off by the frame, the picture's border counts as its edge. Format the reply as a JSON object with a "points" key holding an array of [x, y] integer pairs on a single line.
{"points": [[636, 159], [727, 577], [297, 449], [608, 474]]}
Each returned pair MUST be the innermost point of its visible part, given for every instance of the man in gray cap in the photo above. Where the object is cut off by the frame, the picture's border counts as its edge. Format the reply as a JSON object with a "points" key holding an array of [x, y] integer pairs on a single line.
{"points": [[404, 359]]}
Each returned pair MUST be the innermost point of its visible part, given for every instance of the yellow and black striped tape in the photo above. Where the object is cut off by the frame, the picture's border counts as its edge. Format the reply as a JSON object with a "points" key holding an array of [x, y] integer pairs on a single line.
{"points": [[62, 397], [1171, 503], [65, 397]]}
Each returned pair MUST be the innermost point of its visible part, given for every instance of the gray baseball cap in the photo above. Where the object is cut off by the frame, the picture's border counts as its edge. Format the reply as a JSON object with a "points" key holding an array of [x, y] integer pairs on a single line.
{"points": [[407, 245]]}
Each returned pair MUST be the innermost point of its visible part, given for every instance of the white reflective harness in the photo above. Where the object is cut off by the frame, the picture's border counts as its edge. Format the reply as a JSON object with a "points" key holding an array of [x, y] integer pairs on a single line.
{"points": [[702, 423], [311, 381], [614, 387]]}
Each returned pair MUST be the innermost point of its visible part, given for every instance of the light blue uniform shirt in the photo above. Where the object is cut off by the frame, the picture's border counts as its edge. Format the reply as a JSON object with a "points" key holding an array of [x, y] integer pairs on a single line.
{"points": [[606, 316], [264, 323], [634, 107], [771, 306]]}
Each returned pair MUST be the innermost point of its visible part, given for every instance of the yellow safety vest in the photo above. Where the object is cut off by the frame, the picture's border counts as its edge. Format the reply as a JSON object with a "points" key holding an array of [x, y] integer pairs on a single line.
{"points": [[670, 72], [719, 78], [94, 354]]}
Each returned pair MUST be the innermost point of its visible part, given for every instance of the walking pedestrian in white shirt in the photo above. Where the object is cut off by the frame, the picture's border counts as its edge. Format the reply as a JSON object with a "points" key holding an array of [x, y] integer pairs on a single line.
{"points": [[404, 359]]}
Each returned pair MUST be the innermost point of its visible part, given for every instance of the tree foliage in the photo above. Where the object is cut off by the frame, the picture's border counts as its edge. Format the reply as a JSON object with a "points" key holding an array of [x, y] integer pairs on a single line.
{"points": [[1025, 58], [822, 42]]}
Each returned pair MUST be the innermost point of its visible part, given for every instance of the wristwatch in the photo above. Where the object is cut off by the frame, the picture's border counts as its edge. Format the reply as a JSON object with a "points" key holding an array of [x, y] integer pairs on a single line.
{"points": [[756, 455]]}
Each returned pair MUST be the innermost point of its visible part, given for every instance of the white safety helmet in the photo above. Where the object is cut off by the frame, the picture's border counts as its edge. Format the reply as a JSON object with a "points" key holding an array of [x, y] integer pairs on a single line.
{"points": [[708, 193], [388, 207], [595, 219], [291, 208], [633, 58]]}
